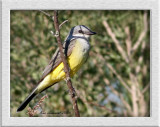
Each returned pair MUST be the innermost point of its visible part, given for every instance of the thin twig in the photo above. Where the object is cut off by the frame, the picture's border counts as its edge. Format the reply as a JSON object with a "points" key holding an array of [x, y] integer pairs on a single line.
{"points": [[62, 24], [145, 88], [32, 112], [47, 14], [66, 66]]}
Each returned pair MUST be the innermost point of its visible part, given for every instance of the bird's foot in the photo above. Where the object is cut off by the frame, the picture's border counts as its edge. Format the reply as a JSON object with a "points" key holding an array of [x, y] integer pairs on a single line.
{"points": [[67, 79], [69, 70]]}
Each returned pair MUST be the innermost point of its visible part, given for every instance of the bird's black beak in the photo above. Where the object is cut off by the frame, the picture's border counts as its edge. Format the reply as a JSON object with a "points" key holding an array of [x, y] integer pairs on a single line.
{"points": [[91, 33]]}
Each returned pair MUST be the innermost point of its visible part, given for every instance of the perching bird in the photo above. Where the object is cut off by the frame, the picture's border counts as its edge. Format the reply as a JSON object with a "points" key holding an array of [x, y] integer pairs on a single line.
{"points": [[76, 48]]}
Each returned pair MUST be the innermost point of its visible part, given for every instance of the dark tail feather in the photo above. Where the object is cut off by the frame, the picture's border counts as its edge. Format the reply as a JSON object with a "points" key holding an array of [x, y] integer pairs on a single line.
{"points": [[27, 100]]}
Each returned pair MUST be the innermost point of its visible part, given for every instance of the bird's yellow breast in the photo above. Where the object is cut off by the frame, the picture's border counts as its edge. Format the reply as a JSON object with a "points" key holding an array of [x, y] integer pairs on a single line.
{"points": [[75, 60]]}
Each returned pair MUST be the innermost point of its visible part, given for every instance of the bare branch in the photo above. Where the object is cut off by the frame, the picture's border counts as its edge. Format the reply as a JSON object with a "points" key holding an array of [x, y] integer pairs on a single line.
{"points": [[66, 66], [32, 112], [143, 33], [134, 100], [128, 41], [145, 89], [107, 82], [140, 59], [115, 72], [47, 14], [118, 94], [118, 76], [117, 43], [62, 24], [80, 95], [52, 17]]}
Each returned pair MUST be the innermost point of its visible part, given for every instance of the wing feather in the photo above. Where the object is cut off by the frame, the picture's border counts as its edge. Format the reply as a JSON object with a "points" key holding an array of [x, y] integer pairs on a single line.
{"points": [[56, 59]]}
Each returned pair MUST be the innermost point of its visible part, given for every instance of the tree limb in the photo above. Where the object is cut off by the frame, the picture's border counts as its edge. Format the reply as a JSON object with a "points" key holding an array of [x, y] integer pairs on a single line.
{"points": [[117, 43], [66, 66]]}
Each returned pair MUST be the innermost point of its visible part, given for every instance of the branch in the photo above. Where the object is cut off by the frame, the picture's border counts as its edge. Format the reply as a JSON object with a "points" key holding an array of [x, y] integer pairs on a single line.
{"points": [[143, 33], [115, 72], [81, 96], [127, 106], [141, 58], [134, 97], [128, 41], [52, 17], [117, 43], [47, 14], [119, 77], [66, 66], [32, 112], [62, 24], [107, 82], [145, 88]]}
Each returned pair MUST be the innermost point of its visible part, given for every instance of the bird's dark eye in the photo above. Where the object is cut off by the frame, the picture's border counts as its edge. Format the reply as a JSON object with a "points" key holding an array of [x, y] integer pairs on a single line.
{"points": [[80, 31]]}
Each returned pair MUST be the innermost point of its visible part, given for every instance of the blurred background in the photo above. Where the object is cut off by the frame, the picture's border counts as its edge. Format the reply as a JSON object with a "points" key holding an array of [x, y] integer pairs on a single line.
{"points": [[115, 80]]}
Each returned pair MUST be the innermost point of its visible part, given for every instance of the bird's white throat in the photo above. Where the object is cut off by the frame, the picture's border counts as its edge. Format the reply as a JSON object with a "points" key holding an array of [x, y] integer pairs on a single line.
{"points": [[82, 35], [85, 45]]}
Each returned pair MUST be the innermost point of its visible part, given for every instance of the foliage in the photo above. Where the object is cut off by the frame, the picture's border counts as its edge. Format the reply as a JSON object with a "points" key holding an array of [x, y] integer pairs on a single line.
{"points": [[113, 82]]}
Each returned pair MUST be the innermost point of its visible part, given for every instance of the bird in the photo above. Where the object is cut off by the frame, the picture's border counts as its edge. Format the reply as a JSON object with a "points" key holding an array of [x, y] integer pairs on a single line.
{"points": [[76, 49]]}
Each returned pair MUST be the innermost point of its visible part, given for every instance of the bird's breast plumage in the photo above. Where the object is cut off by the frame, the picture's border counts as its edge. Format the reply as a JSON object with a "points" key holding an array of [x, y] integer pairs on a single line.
{"points": [[78, 55], [77, 58]]}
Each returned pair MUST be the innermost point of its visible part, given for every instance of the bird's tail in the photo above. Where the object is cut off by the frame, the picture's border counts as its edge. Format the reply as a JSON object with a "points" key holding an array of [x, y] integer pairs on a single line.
{"points": [[27, 100]]}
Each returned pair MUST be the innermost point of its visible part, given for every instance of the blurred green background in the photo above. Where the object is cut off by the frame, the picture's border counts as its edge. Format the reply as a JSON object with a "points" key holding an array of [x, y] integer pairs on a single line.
{"points": [[113, 82]]}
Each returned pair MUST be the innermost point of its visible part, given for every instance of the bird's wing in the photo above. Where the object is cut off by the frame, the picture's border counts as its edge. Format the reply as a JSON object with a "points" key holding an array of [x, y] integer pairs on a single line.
{"points": [[56, 58]]}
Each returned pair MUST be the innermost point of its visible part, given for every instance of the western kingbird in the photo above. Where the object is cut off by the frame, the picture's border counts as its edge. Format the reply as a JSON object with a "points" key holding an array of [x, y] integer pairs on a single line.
{"points": [[76, 48]]}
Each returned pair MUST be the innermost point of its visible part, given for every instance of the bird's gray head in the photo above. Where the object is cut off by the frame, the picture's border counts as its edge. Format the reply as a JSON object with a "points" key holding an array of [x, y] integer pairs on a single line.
{"points": [[81, 31]]}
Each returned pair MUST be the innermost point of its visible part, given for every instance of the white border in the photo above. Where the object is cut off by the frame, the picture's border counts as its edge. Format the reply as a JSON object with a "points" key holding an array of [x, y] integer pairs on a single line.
{"points": [[7, 5]]}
